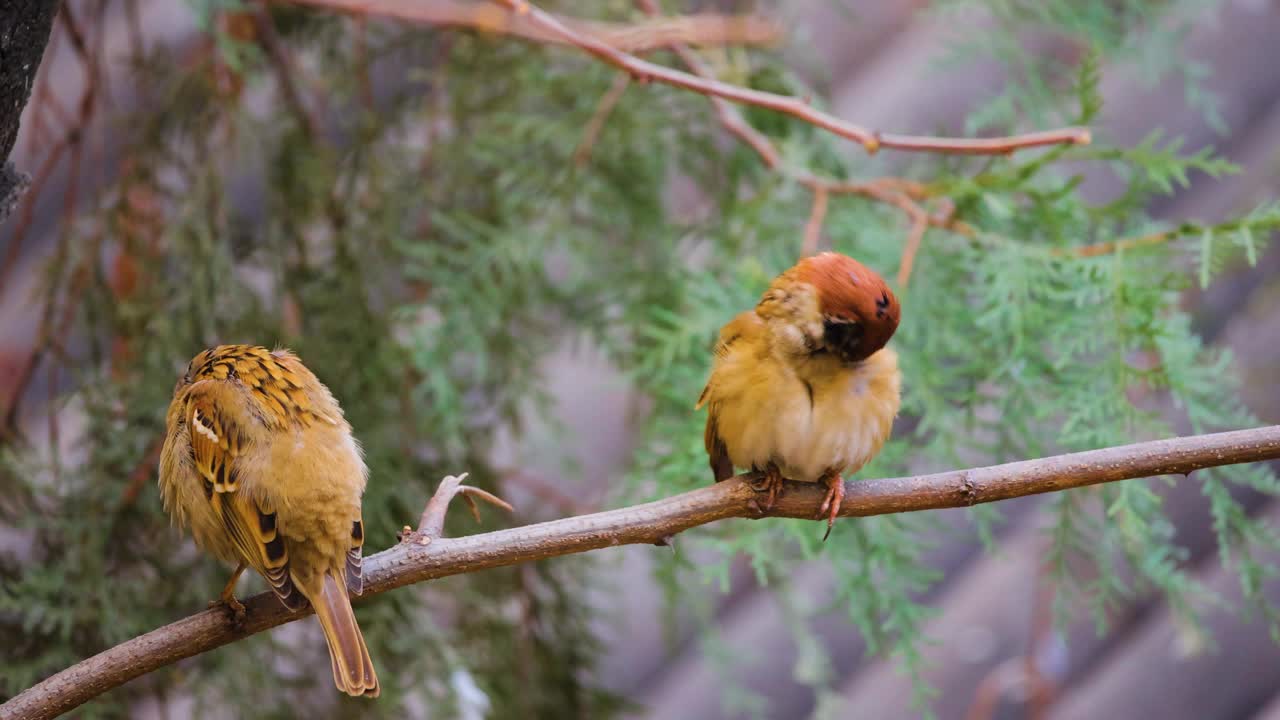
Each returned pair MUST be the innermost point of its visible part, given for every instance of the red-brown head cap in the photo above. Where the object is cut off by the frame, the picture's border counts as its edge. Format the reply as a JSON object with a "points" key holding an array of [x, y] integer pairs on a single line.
{"points": [[859, 311]]}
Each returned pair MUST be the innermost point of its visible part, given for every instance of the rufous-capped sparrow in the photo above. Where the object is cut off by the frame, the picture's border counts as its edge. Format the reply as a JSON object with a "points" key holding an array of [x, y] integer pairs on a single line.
{"points": [[803, 386], [260, 463]]}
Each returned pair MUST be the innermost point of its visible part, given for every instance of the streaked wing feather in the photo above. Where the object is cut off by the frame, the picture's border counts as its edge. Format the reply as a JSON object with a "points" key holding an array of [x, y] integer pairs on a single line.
{"points": [[217, 443], [744, 324], [717, 452], [355, 570]]}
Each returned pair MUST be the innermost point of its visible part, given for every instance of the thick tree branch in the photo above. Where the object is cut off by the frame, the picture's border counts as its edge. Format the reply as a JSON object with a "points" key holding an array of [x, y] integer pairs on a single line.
{"points": [[24, 31], [411, 562]]}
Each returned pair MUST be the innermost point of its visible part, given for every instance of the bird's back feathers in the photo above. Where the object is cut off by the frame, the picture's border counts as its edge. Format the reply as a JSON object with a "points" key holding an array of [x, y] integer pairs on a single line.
{"points": [[261, 464]]}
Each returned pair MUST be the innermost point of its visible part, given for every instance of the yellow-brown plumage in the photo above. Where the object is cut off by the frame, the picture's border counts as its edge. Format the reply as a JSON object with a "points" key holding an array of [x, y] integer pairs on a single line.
{"points": [[803, 386], [260, 463]]}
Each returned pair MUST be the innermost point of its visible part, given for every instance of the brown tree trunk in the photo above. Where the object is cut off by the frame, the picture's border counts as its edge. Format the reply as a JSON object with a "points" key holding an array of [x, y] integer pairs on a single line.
{"points": [[24, 32]]}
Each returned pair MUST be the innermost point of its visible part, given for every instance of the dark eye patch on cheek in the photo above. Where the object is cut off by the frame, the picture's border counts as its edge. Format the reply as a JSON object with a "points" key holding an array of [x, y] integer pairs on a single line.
{"points": [[842, 337]]}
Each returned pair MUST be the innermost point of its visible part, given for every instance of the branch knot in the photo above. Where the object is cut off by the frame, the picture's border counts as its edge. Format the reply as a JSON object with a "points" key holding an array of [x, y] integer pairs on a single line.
{"points": [[968, 491]]}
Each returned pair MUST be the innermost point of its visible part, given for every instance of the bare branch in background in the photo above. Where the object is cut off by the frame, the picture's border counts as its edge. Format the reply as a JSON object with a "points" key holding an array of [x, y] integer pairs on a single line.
{"points": [[871, 140], [899, 192], [813, 228], [703, 29], [919, 224], [607, 103]]}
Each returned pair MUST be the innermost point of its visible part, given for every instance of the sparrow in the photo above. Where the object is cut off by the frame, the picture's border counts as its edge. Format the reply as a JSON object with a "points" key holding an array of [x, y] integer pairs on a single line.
{"points": [[259, 462], [803, 386]]}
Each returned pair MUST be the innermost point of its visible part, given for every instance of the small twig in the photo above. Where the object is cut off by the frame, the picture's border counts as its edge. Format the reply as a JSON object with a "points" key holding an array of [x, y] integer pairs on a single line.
{"points": [[946, 220], [1113, 246], [919, 224], [49, 337], [142, 472], [39, 98], [137, 45], [469, 492], [871, 141], [54, 434], [729, 117], [1043, 688], [284, 71], [813, 228], [78, 44], [26, 213], [987, 146], [1024, 671], [1015, 673], [704, 29], [56, 106], [431, 524], [98, 56], [74, 143], [525, 633], [362, 62], [994, 686], [607, 102], [407, 563], [898, 192]]}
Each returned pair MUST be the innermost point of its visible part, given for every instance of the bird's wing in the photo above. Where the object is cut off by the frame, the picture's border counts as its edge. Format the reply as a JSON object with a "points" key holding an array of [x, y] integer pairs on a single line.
{"points": [[717, 452], [218, 443], [745, 326], [355, 571]]}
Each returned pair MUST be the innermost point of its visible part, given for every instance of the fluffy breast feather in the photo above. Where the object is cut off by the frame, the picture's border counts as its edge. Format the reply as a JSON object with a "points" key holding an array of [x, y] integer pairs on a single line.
{"points": [[851, 418], [808, 416]]}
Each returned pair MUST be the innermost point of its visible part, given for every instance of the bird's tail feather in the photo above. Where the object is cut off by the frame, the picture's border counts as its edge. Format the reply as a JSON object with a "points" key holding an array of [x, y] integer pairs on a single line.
{"points": [[352, 666]]}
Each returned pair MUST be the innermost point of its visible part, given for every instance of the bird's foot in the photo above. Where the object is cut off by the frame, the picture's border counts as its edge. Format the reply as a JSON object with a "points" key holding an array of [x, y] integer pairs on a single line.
{"points": [[830, 507], [228, 597], [233, 606], [770, 481]]}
